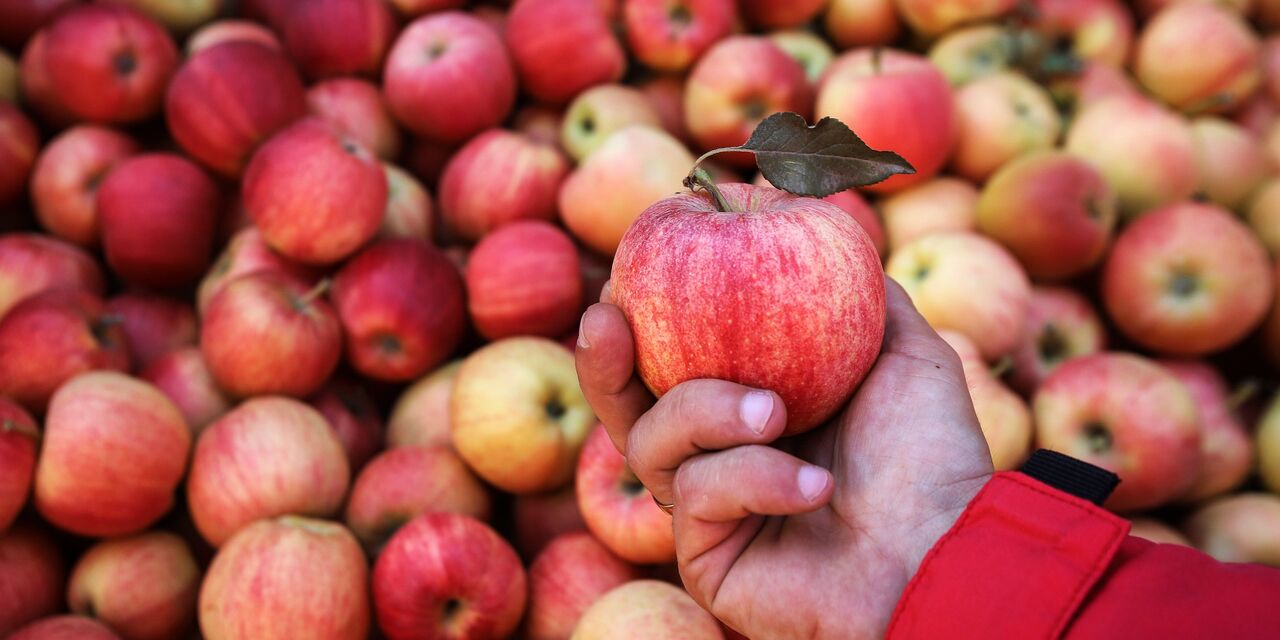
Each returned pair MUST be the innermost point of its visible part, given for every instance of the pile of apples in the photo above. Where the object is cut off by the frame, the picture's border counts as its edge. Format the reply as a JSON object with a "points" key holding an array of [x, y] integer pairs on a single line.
{"points": [[289, 288]]}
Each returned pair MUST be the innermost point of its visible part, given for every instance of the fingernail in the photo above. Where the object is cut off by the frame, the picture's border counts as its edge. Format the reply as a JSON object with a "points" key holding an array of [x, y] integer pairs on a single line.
{"points": [[755, 410], [583, 343], [811, 480]]}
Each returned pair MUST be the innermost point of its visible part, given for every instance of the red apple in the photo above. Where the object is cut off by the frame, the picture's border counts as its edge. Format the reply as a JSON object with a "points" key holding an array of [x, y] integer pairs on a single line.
{"points": [[570, 574], [670, 36], [541, 123], [1226, 452], [268, 457], [523, 279], [445, 575], [1096, 30], [1188, 279], [18, 154], [36, 84], [866, 217], [179, 16], [415, 8], [666, 96], [1001, 116], [1238, 528], [65, 627], [409, 212], [352, 413], [421, 414], [338, 37], [531, 175], [1157, 532], [153, 325], [1233, 163], [561, 47], [19, 444], [31, 264], [780, 14], [1125, 414], [246, 253], [541, 517], [20, 19], [355, 109], [1061, 324], [935, 206], [448, 77], [932, 17], [114, 451], [230, 30], [272, 12], [1214, 79], [183, 376], [600, 111], [1257, 114], [862, 23], [287, 577], [228, 98], [143, 586], [642, 608], [32, 577], [617, 508], [64, 184]]}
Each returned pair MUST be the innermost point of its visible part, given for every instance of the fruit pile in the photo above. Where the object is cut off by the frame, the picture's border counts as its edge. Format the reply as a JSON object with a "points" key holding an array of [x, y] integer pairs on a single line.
{"points": [[289, 288]]}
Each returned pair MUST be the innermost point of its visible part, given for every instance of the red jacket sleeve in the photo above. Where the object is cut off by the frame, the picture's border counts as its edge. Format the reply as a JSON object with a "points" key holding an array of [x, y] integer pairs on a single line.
{"points": [[1028, 561]]}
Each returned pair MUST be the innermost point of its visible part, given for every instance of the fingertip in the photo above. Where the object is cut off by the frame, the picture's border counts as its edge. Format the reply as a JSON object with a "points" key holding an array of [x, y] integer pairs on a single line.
{"points": [[813, 482], [606, 292]]}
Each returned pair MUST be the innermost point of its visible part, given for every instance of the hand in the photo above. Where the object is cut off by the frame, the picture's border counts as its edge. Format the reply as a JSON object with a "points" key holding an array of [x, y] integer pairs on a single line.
{"points": [[817, 535]]}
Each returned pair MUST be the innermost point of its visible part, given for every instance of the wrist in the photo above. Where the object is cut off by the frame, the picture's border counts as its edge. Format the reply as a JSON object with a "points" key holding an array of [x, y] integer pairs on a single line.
{"points": [[949, 503]]}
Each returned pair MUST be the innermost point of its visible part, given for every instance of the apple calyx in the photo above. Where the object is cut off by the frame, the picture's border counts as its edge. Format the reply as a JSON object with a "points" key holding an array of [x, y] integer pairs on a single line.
{"points": [[1097, 437]]}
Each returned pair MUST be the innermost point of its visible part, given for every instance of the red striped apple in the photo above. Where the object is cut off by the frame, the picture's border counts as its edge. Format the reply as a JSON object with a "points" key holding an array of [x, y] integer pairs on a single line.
{"points": [[1214, 79], [532, 173], [561, 47], [935, 206], [153, 325], [523, 279], [142, 586], [669, 36], [617, 508], [231, 30], [31, 264], [1061, 325], [644, 608], [246, 253], [19, 445], [354, 417], [64, 184], [32, 577], [329, 38], [356, 109], [1226, 452], [567, 577], [184, 377], [421, 414]]}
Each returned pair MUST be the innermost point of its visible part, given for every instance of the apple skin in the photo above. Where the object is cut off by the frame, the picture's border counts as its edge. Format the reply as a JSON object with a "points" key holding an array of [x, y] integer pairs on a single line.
{"points": [[23, 18], [64, 183], [414, 8], [862, 23], [894, 100], [92, 80], [402, 483], [1188, 280], [1267, 442], [1125, 414], [1213, 80], [1233, 163], [32, 576], [19, 446], [329, 38], [268, 457], [153, 325], [158, 213], [51, 337], [183, 376], [975, 51], [315, 196], [289, 577], [562, 47], [1157, 532], [354, 417], [226, 99], [667, 36], [617, 508], [229, 30], [400, 302], [246, 253], [647, 608], [1095, 82], [409, 213], [271, 12], [1238, 528], [355, 109], [113, 453], [600, 111], [464, 85], [523, 279], [446, 575], [1001, 117], [1271, 329], [866, 217], [178, 16], [542, 123], [1003, 416], [420, 415], [523, 434], [65, 627], [18, 155], [933, 17], [941, 273], [1226, 451], [36, 84], [1099, 30], [1053, 211], [142, 586], [938, 205], [1061, 324], [532, 174], [31, 264], [10, 85], [1146, 153], [539, 518], [666, 95], [771, 15], [571, 573]]}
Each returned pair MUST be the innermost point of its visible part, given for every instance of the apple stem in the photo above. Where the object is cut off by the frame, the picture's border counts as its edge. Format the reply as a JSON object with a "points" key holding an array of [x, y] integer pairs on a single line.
{"points": [[320, 289], [1243, 393], [699, 178], [876, 54], [1002, 367]]}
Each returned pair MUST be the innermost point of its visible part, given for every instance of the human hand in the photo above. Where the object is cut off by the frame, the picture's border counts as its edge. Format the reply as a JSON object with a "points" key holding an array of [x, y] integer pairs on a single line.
{"points": [[812, 536]]}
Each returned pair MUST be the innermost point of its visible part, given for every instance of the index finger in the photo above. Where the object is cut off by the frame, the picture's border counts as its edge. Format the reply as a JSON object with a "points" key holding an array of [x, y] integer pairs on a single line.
{"points": [[606, 371]]}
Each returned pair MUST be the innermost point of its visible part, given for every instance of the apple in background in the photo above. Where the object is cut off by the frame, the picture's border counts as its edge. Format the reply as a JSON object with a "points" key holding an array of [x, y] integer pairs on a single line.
{"points": [[647, 608], [64, 183], [1001, 117], [541, 123], [1233, 163], [1226, 451], [1188, 279], [1214, 79], [355, 109], [421, 588], [230, 30], [178, 16], [289, 577], [1146, 153], [402, 483], [18, 155], [420, 415], [740, 81], [1271, 329], [409, 213], [1238, 528], [448, 77], [600, 111], [183, 376], [271, 12], [400, 302], [666, 96], [10, 87], [267, 333], [1125, 414], [634, 168], [808, 49], [32, 577], [523, 279], [50, 337], [268, 457], [930, 18], [1263, 215], [1270, 61], [968, 283], [19, 445], [142, 586], [1003, 416], [1061, 324], [562, 47], [228, 98], [770, 15], [158, 212], [1257, 114], [669, 36], [1096, 30], [338, 37], [246, 253], [31, 264], [37, 86], [113, 453], [893, 100], [414, 8], [1095, 83], [1053, 211], [570, 574], [531, 174], [153, 325], [65, 627], [541, 517], [1157, 532], [426, 159], [969, 53], [938, 205], [857, 208], [518, 416], [355, 419], [862, 23], [617, 508], [1148, 8], [1267, 436], [22, 18]]}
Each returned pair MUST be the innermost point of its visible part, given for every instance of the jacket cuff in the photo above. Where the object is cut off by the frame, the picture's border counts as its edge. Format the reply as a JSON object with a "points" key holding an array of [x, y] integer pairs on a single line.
{"points": [[1018, 563]]}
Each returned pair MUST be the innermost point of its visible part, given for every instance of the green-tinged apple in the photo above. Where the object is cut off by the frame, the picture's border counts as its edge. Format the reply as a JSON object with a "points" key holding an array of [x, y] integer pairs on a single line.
{"points": [[1003, 416], [936, 206], [617, 508], [567, 577], [973, 52], [540, 517], [600, 111], [354, 416], [144, 586], [409, 213], [1226, 451], [1233, 163], [1061, 325], [1196, 79], [807, 48], [1267, 443], [562, 47], [18, 154], [1157, 532], [356, 109], [328, 38], [532, 173], [183, 376], [64, 183], [65, 627], [31, 264], [19, 445], [862, 23], [669, 36], [523, 279], [179, 16], [930, 18], [646, 609], [153, 325], [246, 253], [1001, 117], [231, 30], [420, 415], [32, 576], [1238, 528], [1093, 30]]}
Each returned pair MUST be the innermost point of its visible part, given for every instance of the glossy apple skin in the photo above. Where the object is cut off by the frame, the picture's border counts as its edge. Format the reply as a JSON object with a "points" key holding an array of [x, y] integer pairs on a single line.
{"points": [[617, 508], [352, 413], [523, 279], [443, 558], [662, 43], [1238, 528], [65, 627], [153, 325], [114, 451], [19, 446], [67, 174], [642, 607], [328, 38], [561, 47], [1061, 324], [289, 577], [356, 109], [32, 263], [1226, 451], [143, 586], [939, 205], [230, 30], [420, 415], [246, 253], [571, 573], [183, 376], [226, 99], [1125, 414], [750, 266], [18, 155], [1188, 279], [1215, 80], [532, 174], [32, 576]]}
